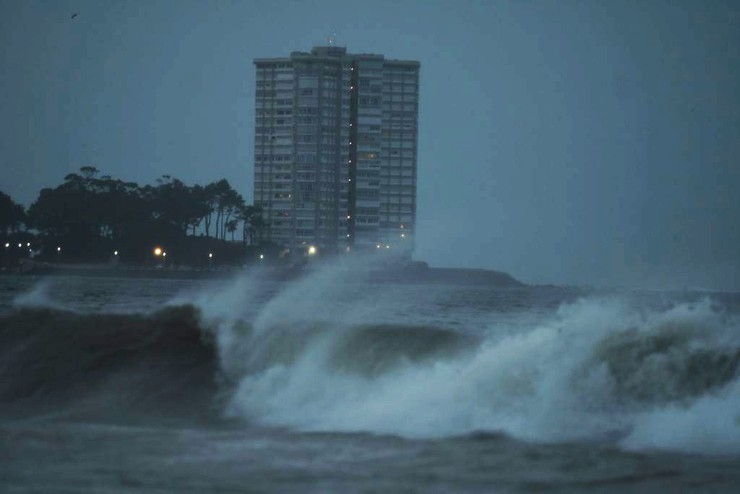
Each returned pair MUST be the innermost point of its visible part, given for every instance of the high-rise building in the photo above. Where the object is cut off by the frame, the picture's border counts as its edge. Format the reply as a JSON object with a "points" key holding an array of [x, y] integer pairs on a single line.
{"points": [[336, 149]]}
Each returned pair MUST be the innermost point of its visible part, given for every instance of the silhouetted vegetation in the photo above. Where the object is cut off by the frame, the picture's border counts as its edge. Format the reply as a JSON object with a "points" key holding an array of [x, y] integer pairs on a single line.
{"points": [[12, 215], [94, 218]]}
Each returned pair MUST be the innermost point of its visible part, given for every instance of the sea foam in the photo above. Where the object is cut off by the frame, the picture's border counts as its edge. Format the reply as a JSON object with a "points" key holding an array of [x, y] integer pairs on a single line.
{"points": [[39, 296], [597, 369]]}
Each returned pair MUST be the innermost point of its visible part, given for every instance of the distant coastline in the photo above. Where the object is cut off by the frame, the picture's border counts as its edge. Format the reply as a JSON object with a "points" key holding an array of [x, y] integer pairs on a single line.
{"points": [[411, 273]]}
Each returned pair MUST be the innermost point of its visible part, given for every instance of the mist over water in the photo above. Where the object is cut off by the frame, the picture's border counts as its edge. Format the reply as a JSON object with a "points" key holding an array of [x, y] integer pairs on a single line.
{"points": [[37, 296]]}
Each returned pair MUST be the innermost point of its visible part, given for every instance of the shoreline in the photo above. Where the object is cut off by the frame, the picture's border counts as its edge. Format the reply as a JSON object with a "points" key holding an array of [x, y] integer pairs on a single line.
{"points": [[399, 274]]}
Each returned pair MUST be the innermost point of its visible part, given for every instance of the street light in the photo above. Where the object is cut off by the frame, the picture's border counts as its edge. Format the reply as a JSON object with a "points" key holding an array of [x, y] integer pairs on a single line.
{"points": [[210, 255], [157, 251], [115, 252], [311, 250], [262, 256]]}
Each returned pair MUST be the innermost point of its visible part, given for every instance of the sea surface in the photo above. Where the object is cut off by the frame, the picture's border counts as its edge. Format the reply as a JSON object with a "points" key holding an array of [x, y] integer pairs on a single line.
{"points": [[334, 384]]}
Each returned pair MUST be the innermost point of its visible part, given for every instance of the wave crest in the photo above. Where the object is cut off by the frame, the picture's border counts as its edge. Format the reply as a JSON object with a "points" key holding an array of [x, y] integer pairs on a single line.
{"points": [[667, 364], [104, 363], [595, 370]]}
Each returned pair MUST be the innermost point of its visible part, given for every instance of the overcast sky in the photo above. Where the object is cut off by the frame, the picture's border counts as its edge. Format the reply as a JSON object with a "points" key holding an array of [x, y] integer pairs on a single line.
{"points": [[589, 142]]}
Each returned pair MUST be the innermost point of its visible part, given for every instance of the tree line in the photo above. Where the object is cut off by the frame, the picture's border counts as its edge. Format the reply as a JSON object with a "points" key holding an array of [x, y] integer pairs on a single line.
{"points": [[91, 217]]}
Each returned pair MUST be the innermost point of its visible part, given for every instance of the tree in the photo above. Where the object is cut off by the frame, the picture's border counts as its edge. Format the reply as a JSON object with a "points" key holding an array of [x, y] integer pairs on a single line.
{"points": [[220, 198], [209, 195], [175, 203], [232, 203], [68, 214], [231, 227], [89, 172], [251, 216], [12, 214], [90, 216]]}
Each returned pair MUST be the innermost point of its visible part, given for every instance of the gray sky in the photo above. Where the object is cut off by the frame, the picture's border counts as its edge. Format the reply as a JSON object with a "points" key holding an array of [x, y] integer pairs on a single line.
{"points": [[592, 142]]}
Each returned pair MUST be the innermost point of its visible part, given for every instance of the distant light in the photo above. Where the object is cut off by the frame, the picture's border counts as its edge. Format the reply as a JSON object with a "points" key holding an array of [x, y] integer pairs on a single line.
{"points": [[311, 250], [377, 246], [387, 246], [348, 234], [20, 245], [59, 249], [28, 244], [7, 245], [115, 252], [262, 256], [349, 248], [164, 254], [210, 255], [157, 251], [401, 226], [349, 217], [403, 235]]}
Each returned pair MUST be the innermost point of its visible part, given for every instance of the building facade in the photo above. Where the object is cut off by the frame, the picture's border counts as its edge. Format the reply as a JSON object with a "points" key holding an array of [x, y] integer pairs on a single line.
{"points": [[335, 161]]}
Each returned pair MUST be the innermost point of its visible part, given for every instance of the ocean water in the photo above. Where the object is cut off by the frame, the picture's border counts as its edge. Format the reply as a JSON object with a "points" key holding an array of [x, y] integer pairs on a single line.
{"points": [[332, 383]]}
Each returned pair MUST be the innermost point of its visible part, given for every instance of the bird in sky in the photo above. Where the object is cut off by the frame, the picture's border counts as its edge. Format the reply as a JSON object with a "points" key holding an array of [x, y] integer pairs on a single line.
{"points": [[73, 16]]}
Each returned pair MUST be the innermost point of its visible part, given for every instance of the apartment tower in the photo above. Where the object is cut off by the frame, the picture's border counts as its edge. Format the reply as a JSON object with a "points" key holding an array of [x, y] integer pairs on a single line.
{"points": [[336, 149]]}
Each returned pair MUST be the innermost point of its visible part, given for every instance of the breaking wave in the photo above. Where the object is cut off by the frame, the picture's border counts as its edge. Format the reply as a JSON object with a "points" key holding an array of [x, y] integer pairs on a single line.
{"points": [[38, 296], [104, 365], [327, 354], [599, 369]]}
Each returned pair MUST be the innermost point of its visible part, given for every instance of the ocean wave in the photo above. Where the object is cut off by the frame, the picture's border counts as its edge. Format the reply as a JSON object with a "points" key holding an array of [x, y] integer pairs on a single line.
{"points": [[320, 354], [598, 369], [39, 296], [102, 364]]}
